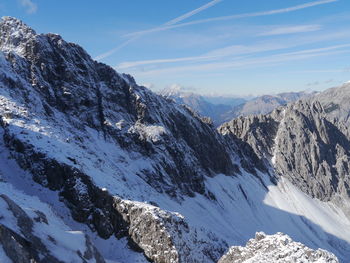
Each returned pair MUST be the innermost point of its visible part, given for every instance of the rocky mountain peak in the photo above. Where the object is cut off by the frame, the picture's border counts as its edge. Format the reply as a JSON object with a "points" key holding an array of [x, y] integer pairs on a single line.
{"points": [[13, 25], [276, 248], [14, 35]]}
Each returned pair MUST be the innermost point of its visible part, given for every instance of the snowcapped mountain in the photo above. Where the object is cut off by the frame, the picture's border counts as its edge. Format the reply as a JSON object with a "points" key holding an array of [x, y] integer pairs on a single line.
{"points": [[211, 107], [95, 168], [221, 111]]}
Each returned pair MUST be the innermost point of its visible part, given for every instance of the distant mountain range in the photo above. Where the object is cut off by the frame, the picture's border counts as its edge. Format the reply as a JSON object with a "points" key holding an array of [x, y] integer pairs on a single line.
{"points": [[213, 107], [222, 109]]}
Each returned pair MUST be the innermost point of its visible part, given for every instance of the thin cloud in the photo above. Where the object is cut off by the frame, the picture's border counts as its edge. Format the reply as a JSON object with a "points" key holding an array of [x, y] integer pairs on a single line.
{"points": [[169, 23], [248, 49], [344, 70], [291, 30], [229, 51], [112, 51], [30, 7], [246, 15], [192, 13], [167, 26], [131, 64], [214, 54], [239, 63]]}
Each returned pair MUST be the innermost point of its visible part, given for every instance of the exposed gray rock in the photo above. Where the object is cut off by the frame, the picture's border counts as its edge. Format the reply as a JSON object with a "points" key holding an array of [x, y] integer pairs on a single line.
{"points": [[312, 151], [165, 236], [336, 103], [254, 135], [301, 144], [276, 248]]}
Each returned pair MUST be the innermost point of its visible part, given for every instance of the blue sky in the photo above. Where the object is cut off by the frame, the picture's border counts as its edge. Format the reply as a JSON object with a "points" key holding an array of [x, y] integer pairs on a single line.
{"points": [[235, 47]]}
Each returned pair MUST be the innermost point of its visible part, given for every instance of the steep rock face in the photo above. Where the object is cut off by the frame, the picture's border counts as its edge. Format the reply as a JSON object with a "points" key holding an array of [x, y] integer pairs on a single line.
{"points": [[313, 152], [53, 77], [301, 144], [276, 248], [165, 236], [254, 134], [335, 102]]}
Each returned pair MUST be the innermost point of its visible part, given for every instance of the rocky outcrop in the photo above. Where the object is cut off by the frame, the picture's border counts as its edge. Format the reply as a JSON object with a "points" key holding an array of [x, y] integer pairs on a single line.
{"points": [[276, 248], [335, 102], [254, 136], [165, 236], [312, 152], [302, 144]]}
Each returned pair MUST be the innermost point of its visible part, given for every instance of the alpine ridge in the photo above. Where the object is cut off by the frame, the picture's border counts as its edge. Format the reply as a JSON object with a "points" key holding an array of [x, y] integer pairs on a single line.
{"points": [[95, 168], [275, 248]]}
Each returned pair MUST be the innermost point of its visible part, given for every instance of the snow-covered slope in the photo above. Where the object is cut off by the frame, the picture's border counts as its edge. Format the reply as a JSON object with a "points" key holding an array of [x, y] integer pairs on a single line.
{"points": [[143, 177], [30, 231]]}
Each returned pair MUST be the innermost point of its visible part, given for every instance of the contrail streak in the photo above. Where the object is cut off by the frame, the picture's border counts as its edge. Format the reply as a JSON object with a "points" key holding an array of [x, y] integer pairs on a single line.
{"points": [[169, 23]]}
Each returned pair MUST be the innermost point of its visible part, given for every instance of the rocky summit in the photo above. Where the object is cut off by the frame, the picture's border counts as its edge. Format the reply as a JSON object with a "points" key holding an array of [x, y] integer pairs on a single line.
{"points": [[276, 248], [96, 168]]}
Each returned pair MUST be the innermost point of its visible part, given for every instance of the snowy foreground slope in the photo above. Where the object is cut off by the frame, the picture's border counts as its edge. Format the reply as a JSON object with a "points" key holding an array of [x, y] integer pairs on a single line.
{"points": [[123, 173], [32, 232]]}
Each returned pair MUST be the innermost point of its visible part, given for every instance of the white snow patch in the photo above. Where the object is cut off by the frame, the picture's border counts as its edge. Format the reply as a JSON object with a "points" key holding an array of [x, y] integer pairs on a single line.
{"points": [[151, 133], [275, 148]]}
